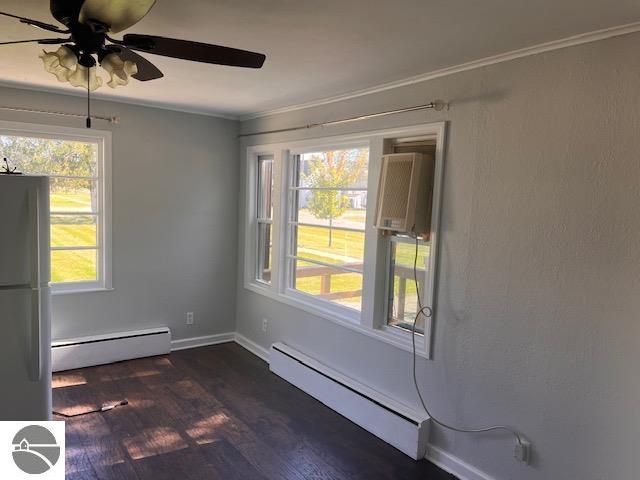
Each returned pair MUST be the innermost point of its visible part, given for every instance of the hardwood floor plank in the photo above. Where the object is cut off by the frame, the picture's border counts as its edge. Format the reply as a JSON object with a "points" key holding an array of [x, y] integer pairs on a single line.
{"points": [[215, 412]]}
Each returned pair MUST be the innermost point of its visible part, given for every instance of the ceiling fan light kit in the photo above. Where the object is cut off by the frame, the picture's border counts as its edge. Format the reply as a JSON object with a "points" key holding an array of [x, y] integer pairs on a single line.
{"points": [[88, 45], [119, 70], [61, 63], [64, 64], [85, 77]]}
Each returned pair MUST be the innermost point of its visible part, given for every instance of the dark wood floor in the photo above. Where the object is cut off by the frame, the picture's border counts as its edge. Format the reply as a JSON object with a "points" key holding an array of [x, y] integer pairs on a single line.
{"points": [[214, 413]]}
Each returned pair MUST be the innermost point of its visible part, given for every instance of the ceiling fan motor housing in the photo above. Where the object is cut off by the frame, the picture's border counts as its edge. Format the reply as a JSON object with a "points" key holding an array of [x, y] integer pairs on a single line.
{"points": [[66, 11]]}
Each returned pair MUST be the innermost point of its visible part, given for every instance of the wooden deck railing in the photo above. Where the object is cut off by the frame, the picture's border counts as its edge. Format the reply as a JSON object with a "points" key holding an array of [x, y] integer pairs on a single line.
{"points": [[325, 273]]}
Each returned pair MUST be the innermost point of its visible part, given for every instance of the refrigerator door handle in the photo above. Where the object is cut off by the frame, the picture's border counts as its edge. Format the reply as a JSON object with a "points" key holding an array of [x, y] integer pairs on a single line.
{"points": [[35, 359], [34, 227]]}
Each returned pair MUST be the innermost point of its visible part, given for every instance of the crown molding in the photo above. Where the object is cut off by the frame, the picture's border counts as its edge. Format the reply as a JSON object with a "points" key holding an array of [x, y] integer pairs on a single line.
{"points": [[127, 101], [483, 62], [582, 38]]}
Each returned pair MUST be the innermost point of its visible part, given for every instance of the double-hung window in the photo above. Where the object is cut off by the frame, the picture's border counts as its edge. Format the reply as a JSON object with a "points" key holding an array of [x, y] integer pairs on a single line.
{"points": [[408, 265], [310, 239], [328, 195], [77, 171], [264, 218]]}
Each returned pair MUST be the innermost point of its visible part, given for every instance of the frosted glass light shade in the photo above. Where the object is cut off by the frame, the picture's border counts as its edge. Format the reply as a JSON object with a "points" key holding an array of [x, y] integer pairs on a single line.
{"points": [[118, 70], [62, 63], [83, 75]]}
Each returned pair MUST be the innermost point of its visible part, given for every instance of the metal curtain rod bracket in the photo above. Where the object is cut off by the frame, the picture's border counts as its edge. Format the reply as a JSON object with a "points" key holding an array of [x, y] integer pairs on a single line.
{"points": [[112, 120], [435, 105]]}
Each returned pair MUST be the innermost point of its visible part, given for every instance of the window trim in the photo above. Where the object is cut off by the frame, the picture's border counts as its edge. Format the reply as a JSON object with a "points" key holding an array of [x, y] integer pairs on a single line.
{"points": [[373, 315], [262, 220], [393, 330], [103, 215], [289, 259]]}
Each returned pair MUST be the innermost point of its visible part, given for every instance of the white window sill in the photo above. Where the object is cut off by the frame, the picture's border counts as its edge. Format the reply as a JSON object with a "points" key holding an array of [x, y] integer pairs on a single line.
{"points": [[79, 290], [398, 339]]}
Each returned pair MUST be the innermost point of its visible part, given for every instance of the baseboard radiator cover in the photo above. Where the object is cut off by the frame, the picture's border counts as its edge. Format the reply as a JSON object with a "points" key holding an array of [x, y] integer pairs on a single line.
{"points": [[377, 413], [115, 347]]}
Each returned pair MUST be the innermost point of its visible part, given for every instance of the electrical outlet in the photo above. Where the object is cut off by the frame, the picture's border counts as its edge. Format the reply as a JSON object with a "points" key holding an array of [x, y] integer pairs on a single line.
{"points": [[522, 451], [265, 324], [189, 318]]}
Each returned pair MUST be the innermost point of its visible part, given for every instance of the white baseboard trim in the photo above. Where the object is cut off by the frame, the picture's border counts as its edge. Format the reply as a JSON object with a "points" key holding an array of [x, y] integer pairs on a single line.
{"points": [[252, 346], [383, 416], [194, 342], [107, 348], [453, 465], [446, 461]]}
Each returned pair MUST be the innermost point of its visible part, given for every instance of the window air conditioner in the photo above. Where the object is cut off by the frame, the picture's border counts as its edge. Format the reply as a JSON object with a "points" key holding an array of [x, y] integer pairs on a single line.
{"points": [[405, 193]]}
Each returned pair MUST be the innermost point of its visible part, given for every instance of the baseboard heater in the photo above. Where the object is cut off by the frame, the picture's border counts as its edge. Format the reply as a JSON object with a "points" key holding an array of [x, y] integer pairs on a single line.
{"points": [[377, 413], [109, 348]]}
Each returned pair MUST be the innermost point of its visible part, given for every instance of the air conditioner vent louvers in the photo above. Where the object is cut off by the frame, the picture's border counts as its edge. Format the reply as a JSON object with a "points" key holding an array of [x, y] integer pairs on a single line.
{"points": [[395, 202], [406, 183]]}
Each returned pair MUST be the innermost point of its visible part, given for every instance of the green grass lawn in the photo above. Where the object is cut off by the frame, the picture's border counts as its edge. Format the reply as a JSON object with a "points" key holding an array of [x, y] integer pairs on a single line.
{"points": [[313, 243], [73, 231], [71, 202], [73, 265], [348, 248]]}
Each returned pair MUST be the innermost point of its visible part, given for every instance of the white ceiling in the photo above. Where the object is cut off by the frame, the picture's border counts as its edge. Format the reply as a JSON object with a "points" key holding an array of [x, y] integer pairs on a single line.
{"points": [[316, 49]]}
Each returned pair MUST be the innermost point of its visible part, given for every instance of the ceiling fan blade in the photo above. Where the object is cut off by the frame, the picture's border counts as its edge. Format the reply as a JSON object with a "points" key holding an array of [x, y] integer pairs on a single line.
{"points": [[35, 23], [194, 51], [146, 70], [42, 41], [117, 14]]}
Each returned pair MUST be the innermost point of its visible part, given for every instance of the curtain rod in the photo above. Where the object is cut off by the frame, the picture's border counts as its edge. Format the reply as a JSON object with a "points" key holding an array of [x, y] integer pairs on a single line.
{"points": [[436, 105], [113, 120]]}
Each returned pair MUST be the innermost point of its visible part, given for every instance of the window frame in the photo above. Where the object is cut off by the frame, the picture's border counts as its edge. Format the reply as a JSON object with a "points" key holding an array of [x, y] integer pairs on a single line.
{"points": [[372, 319], [263, 220], [394, 330], [291, 224], [103, 184]]}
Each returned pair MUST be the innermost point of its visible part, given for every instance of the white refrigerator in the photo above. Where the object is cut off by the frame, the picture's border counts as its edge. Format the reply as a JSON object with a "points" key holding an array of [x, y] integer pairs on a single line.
{"points": [[25, 301]]}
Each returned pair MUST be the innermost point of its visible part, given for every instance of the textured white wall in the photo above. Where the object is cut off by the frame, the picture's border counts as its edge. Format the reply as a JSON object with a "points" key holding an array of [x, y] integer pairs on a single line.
{"points": [[174, 215], [537, 319]]}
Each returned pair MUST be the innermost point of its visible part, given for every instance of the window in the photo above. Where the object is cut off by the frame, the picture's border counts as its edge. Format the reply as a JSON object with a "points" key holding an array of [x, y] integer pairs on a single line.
{"points": [[264, 217], [76, 169], [310, 240], [329, 198], [402, 306]]}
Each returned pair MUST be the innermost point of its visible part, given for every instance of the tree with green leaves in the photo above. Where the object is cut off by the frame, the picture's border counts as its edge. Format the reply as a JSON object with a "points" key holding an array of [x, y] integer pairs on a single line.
{"points": [[53, 157], [329, 172]]}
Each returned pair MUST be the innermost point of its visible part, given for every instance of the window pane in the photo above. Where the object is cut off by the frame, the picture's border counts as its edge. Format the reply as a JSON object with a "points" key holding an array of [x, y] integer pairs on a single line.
{"points": [[403, 301], [74, 265], [264, 252], [73, 195], [50, 157], [337, 208], [334, 169], [265, 187], [331, 199], [328, 283], [73, 231], [329, 245]]}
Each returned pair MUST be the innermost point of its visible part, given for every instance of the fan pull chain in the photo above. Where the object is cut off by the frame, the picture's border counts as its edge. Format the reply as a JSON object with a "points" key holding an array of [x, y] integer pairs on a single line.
{"points": [[88, 99]]}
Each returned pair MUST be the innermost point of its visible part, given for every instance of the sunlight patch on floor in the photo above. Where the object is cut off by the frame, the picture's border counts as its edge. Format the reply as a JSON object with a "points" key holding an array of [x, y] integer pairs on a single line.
{"points": [[62, 380], [206, 431], [154, 441], [136, 374]]}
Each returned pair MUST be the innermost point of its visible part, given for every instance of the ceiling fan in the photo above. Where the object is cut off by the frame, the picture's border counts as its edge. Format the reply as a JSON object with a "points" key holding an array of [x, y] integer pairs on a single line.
{"points": [[88, 26]]}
